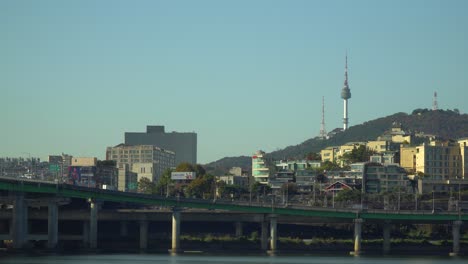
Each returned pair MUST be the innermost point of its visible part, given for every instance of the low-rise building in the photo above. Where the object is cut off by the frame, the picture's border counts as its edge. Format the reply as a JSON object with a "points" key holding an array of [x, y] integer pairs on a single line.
{"points": [[384, 178], [278, 179], [379, 146], [387, 157], [330, 154], [241, 181], [305, 180], [334, 154], [297, 165], [82, 172], [127, 180]]}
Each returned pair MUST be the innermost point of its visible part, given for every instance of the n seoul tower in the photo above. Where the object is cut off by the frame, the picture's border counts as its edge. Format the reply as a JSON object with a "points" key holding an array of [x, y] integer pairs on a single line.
{"points": [[345, 94]]}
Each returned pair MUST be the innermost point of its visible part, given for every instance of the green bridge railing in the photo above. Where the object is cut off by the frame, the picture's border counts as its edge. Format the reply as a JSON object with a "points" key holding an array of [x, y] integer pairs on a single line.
{"points": [[70, 191]]}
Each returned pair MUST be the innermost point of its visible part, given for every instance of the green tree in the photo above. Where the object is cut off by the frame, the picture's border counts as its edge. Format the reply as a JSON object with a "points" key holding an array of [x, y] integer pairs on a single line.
{"points": [[255, 186], [353, 196], [313, 156], [289, 187], [259, 189], [232, 191], [197, 168], [201, 187], [321, 178], [162, 186], [146, 186], [359, 154], [329, 166]]}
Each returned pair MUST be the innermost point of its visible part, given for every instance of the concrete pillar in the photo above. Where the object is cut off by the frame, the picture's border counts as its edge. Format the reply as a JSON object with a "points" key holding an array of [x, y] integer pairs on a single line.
{"points": [[238, 226], [93, 224], [386, 237], [264, 236], [143, 234], [10, 227], [175, 231], [86, 233], [456, 237], [20, 222], [52, 225], [273, 234], [357, 236], [123, 229]]}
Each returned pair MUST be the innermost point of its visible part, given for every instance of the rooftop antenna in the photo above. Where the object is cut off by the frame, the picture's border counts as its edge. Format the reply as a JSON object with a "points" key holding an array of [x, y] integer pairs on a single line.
{"points": [[323, 132]]}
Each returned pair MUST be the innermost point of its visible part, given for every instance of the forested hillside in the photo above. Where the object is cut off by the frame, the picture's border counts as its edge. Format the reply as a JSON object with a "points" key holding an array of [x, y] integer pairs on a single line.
{"points": [[449, 124]]}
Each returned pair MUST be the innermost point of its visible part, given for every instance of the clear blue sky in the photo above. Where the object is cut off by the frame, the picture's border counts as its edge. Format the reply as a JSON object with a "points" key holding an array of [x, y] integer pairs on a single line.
{"points": [[244, 75]]}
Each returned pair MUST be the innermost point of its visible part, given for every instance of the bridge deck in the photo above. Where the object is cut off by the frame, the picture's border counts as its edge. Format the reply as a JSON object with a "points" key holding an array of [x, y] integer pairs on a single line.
{"points": [[70, 191]]}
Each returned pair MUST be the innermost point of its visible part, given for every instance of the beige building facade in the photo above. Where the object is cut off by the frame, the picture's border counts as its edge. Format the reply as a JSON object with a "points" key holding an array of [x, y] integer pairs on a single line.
{"points": [[83, 161], [334, 154], [441, 160], [143, 170], [408, 158], [378, 146], [145, 158], [329, 154], [464, 156]]}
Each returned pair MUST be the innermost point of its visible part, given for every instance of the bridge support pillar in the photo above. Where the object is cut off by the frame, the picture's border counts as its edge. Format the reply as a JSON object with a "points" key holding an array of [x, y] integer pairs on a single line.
{"points": [[143, 234], [52, 225], [357, 236], [175, 231], [123, 229], [93, 224], [386, 237], [273, 235], [456, 237], [264, 236], [86, 233], [20, 222], [239, 227]]}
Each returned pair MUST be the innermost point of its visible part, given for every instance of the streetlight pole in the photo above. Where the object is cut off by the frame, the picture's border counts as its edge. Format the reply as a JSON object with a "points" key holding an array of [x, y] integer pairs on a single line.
{"points": [[433, 201], [459, 198], [398, 198], [313, 193]]}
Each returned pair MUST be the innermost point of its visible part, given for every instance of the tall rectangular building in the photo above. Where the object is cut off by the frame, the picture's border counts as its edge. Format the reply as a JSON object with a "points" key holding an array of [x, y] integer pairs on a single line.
{"points": [[260, 171], [183, 144]]}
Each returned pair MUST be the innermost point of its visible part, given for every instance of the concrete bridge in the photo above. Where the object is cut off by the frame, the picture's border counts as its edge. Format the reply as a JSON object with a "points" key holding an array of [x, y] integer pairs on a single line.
{"points": [[25, 194]]}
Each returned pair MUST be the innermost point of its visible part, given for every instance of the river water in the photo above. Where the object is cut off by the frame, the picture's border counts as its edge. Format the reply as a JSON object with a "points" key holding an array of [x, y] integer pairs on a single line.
{"points": [[216, 259]]}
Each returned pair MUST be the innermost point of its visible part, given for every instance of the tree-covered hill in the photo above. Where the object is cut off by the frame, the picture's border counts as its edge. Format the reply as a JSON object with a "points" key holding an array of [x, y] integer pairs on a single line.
{"points": [[444, 123]]}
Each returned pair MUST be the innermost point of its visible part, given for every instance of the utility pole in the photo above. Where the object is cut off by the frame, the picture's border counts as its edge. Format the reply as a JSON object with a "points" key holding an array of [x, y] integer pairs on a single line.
{"points": [[333, 198]]}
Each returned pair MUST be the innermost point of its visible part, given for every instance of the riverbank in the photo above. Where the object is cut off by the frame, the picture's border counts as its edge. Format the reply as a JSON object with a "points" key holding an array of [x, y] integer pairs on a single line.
{"points": [[243, 245]]}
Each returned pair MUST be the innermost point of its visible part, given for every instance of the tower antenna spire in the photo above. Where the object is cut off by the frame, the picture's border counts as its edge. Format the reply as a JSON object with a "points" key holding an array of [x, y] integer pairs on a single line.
{"points": [[434, 102], [323, 132]]}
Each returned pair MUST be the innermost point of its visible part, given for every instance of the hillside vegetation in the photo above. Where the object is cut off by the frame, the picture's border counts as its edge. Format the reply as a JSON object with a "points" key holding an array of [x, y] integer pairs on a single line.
{"points": [[444, 123]]}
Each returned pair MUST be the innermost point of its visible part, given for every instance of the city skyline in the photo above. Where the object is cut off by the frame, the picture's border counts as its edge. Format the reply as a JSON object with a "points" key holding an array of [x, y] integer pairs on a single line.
{"points": [[242, 75]]}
